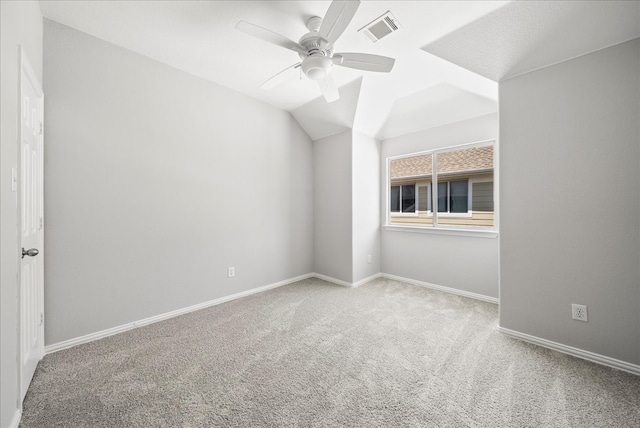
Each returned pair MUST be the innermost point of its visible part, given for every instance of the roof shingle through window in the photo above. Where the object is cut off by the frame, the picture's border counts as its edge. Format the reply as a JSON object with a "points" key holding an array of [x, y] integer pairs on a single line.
{"points": [[455, 161]]}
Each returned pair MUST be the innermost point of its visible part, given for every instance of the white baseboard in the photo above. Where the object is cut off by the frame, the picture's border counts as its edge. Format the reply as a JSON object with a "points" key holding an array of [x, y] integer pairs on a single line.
{"points": [[367, 279], [409, 281], [15, 421], [442, 288], [122, 328], [345, 283], [576, 352], [332, 280], [586, 355], [125, 327]]}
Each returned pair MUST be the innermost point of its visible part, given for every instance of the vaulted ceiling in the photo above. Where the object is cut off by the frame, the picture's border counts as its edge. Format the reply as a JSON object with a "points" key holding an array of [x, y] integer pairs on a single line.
{"points": [[449, 55], [524, 36]]}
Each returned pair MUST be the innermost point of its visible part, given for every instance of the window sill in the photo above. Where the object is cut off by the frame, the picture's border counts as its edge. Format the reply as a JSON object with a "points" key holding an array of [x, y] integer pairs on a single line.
{"points": [[442, 231]]}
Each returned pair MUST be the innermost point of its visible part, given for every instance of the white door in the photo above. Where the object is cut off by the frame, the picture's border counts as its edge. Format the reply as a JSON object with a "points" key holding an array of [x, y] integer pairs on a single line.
{"points": [[31, 225]]}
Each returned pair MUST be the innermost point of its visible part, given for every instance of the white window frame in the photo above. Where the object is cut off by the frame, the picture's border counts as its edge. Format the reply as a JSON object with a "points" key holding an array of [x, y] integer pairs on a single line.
{"points": [[432, 193]]}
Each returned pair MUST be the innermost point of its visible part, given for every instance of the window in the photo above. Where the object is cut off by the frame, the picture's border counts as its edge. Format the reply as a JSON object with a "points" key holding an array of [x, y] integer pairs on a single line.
{"points": [[395, 199], [460, 192], [403, 199], [424, 197], [483, 196], [453, 196]]}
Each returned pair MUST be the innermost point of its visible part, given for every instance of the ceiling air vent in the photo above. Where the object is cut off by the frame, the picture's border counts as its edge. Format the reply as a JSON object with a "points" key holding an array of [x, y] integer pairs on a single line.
{"points": [[380, 27]]}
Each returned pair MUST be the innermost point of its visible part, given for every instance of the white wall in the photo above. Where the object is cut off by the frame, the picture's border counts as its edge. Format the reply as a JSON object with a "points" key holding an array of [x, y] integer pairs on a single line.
{"points": [[465, 263], [21, 24], [156, 182], [347, 206], [365, 206], [570, 202], [332, 173]]}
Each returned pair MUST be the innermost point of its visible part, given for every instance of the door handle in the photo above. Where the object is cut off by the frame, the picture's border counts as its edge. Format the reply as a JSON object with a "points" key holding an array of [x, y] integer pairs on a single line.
{"points": [[32, 252]]}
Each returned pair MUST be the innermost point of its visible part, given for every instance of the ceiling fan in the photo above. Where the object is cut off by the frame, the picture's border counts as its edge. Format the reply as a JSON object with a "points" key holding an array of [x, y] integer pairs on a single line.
{"points": [[316, 48]]}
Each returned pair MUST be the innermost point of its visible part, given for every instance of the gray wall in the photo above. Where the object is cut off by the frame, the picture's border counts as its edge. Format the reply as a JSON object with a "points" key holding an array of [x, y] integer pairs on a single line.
{"points": [[466, 263], [570, 211], [21, 24], [156, 182], [365, 206], [333, 230]]}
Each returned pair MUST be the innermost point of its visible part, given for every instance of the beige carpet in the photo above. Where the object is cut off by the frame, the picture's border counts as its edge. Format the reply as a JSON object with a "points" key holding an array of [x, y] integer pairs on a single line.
{"points": [[312, 354]]}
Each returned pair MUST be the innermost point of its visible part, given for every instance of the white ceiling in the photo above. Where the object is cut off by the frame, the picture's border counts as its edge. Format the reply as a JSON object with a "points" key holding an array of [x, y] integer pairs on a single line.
{"points": [[524, 36], [434, 106], [199, 37]]}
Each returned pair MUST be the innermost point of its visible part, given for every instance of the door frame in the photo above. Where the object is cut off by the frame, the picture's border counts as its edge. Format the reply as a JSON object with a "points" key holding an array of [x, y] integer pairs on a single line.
{"points": [[25, 66]]}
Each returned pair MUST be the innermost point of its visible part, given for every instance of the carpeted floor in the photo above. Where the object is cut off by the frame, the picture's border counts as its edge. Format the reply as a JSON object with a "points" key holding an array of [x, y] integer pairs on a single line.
{"points": [[312, 354]]}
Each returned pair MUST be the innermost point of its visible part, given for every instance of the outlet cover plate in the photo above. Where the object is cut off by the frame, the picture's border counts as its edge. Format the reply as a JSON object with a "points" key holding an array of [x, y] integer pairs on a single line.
{"points": [[579, 312]]}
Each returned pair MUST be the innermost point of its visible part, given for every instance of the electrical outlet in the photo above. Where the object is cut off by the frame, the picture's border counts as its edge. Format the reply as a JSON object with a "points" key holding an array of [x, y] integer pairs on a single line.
{"points": [[369, 259], [231, 271], [579, 312]]}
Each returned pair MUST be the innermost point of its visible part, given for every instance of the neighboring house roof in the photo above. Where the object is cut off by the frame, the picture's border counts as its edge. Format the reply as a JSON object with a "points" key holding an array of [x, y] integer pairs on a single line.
{"points": [[457, 161]]}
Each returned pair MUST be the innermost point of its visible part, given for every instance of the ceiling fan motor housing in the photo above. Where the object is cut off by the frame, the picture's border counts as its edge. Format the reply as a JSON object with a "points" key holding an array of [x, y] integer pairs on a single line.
{"points": [[316, 48], [316, 64]]}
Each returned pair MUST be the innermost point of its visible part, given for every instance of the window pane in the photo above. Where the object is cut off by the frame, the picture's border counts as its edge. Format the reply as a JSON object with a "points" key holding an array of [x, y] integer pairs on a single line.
{"points": [[443, 197], [423, 194], [395, 199], [464, 186], [482, 196], [405, 195], [409, 199], [457, 169], [413, 167], [470, 161], [459, 201]]}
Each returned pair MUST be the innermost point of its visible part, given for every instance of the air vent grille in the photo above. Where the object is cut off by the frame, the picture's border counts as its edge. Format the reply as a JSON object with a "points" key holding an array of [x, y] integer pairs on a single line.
{"points": [[380, 27], [389, 21]]}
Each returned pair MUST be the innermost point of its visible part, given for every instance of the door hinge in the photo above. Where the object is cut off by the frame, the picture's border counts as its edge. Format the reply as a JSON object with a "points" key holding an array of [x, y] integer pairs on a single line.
{"points": [[41, 318], [40, 128], [41, 223]]}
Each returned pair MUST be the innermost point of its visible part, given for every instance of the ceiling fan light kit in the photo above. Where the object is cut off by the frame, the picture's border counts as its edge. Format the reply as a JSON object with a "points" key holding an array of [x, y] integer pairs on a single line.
{"points": [[316, 67], [316, 48]]}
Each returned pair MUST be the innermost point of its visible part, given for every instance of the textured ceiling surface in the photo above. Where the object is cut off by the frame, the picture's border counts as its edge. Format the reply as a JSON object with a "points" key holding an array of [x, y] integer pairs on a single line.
{"points": [[200, 38], [437, 105], [480, 41], [525, 36]]}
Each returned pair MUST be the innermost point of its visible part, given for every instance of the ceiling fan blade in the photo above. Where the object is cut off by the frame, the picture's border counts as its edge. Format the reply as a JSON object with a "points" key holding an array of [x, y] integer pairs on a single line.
{"points": [[362, 61], [280, 77], [336, 20], [269, 36], [329, 89]]}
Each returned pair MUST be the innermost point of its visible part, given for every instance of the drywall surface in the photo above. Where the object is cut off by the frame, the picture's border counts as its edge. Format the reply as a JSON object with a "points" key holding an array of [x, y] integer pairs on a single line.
{"points": [[21, 25], [522, 36], [465, 263], [321, 119], [156, 182], [365, 206], [332, 206], [570, 202]]}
